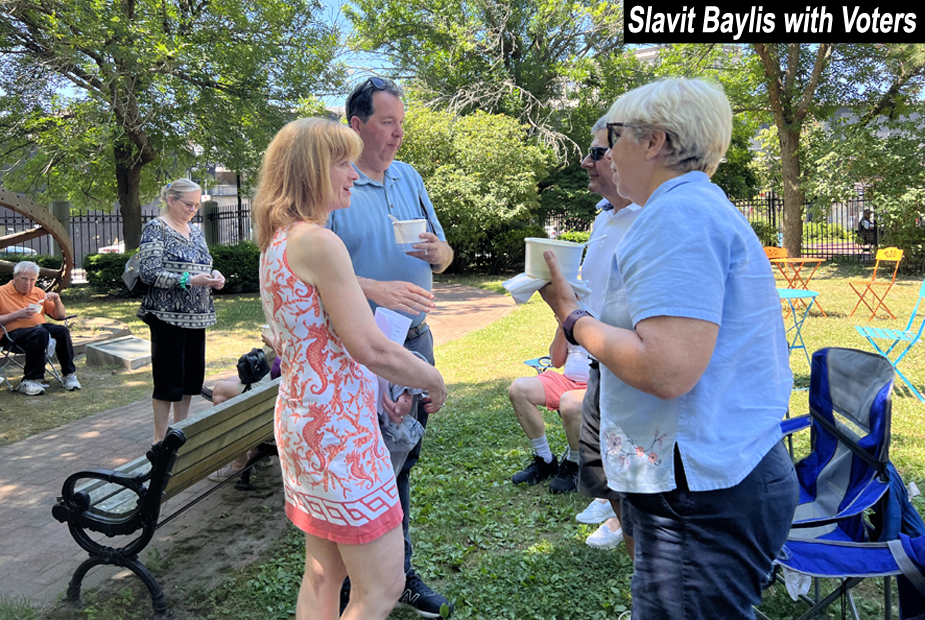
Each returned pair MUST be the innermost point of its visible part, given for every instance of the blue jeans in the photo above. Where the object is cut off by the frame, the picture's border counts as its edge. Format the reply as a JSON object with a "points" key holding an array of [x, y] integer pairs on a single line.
{"points": [[709, 554], [423, 344]]}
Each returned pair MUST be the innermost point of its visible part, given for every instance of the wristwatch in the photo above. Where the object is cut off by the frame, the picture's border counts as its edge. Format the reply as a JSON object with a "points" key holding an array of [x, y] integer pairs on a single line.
{"points": [[569, 324]]}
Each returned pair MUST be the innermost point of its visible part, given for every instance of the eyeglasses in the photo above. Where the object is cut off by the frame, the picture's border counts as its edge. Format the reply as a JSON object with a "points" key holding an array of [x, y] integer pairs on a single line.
{"points": [[612, 135], [596, 153], [189, 205]]}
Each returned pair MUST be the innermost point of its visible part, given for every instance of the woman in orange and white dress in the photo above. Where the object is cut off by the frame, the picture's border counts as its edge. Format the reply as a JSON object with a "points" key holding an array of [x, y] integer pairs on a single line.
{"points": [[340, 487]]}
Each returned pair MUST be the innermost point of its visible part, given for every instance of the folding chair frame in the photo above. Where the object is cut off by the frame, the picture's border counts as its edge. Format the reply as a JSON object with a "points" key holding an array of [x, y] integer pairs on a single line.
{"points": [[897, 336], [11, 349], [886, 254]]}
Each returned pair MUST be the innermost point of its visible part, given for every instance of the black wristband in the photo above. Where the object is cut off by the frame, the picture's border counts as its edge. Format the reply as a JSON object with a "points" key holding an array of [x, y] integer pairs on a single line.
{"points": [[569, 324]]}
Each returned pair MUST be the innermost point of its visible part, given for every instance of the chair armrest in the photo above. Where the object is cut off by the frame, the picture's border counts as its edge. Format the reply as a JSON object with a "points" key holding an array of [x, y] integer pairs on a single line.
{"points": [[792, 425], [539, 363]]}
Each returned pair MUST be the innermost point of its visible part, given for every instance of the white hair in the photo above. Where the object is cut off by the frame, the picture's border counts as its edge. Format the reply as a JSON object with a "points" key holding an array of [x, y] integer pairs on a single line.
{"points": [[25, 266], [694, 114], [177, 188]]}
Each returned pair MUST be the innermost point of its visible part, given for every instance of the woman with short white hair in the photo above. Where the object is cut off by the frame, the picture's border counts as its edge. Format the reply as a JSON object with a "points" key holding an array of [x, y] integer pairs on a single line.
{"points": [[695, 376]]}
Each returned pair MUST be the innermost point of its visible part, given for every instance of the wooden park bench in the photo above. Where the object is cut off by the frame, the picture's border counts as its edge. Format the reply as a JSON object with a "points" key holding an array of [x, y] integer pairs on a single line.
{"points": [[127, 501]]}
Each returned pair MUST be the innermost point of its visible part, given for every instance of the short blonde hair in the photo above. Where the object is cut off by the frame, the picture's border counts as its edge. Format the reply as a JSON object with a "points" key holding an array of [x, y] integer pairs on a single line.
{"points": [[176, 189], [694, 114], [295, 177]]}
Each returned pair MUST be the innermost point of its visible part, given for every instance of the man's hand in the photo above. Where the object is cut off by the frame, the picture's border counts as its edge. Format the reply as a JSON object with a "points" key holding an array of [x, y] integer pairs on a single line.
{"points": [[397, 409], [434, 251], [54, 297], [397, 295]]}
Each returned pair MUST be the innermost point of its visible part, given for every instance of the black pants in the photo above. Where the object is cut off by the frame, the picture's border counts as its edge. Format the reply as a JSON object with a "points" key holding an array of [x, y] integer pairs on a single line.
{"points": [[33, 342]]}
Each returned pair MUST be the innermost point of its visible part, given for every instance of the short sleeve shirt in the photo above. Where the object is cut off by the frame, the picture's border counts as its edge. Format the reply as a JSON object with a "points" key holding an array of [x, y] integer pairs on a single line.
{"points": [[12, 300], [366, 230], [608, 230], [692, 254]]}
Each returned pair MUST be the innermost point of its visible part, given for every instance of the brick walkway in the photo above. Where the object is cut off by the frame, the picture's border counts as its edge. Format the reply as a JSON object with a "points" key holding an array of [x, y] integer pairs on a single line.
{"points": [[38, 555]]}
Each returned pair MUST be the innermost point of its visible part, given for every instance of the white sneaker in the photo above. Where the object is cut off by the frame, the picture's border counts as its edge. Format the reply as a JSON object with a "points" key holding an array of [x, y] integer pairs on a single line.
{"points": [[30, 388], [71, 383], [596, 512], [603, 538]]}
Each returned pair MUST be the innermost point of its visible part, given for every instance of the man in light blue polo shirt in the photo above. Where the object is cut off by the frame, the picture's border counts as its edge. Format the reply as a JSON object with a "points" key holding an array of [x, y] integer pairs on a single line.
{"points": [[391, 275]]}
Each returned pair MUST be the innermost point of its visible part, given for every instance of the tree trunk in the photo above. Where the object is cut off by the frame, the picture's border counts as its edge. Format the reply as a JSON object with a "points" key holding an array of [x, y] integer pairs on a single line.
{"points": [[793, 192], [128, 181]]}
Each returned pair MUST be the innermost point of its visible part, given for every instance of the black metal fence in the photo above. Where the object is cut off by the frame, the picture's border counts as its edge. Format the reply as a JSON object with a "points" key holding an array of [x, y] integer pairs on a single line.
{"points": [[824, 236], [95, 232]]}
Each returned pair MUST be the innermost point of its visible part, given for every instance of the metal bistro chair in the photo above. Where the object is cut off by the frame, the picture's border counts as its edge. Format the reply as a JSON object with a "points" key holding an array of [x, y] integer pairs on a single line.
{"points": [[540, 364], [909, 336], [863, 288]]}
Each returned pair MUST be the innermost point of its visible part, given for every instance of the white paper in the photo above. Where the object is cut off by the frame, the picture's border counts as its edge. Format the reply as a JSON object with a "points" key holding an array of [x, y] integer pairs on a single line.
{"points": [[395, 326]]}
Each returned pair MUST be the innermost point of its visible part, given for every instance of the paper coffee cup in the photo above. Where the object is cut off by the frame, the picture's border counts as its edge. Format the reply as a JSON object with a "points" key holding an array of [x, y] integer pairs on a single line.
{"points": [[409, 231]]}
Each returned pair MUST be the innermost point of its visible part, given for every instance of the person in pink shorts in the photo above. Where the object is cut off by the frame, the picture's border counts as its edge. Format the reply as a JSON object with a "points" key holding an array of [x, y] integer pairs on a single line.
{"points": [[562, 392]]}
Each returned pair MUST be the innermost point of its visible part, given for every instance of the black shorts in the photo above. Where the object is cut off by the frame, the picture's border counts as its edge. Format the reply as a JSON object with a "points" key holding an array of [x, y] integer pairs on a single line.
{"points": [[178, 360], [591, 478]]}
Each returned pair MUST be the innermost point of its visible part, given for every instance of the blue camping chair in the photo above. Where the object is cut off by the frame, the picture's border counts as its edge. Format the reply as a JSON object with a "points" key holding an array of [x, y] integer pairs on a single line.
{"points": [[909, 336], [853, 520]]}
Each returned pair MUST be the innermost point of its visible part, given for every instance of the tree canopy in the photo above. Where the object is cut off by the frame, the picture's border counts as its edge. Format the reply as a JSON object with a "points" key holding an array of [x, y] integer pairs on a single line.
{"points": [[109, 100]]}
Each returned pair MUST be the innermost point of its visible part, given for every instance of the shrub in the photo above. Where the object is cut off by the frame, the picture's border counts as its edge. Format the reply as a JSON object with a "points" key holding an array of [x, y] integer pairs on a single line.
{"points": [[239, 264], [509, 250], [767, 232], [42, 260], [575, 236], [104, 273]]}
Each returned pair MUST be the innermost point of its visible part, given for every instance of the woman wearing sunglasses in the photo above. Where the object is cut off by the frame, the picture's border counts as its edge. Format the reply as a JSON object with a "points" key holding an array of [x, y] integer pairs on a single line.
{"points": [[694, 364], [178, 307]]}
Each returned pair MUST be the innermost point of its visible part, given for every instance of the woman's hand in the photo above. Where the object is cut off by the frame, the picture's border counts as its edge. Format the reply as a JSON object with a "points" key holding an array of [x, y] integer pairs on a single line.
{"points": [[436, 396], [218, 280], [558, 294]]}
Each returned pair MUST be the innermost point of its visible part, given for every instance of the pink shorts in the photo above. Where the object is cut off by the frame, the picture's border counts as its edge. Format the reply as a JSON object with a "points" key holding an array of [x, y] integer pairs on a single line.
{"points": [[555, 385]]}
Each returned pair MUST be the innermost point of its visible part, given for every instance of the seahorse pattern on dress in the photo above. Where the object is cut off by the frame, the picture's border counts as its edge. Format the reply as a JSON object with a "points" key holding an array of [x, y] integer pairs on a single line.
{"points": [[336, 469]]}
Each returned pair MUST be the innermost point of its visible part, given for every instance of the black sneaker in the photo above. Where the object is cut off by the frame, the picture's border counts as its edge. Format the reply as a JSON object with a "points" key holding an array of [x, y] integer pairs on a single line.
{"points": [[427, 603], [537, 471], [566, 480]]}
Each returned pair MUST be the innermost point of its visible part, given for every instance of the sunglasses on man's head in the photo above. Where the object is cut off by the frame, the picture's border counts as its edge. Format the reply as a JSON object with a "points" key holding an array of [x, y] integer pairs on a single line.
{"points": [[377, 83], [596, 153]]}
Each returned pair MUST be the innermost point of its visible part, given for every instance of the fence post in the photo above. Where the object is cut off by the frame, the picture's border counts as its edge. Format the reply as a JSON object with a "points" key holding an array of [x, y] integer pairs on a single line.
{"points": [[61, 209], [210, 221]]}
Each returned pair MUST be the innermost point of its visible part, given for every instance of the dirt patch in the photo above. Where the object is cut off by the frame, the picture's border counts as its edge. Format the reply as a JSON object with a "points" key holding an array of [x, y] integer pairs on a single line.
{"points": [[191, 555]]}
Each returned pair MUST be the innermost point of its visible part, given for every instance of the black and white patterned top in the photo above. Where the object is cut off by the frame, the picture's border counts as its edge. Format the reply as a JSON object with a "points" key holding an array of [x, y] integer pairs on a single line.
{"points": [[165, 255]]}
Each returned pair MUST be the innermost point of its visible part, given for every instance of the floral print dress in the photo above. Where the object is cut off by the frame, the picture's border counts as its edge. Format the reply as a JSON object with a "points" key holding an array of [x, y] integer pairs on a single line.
{"points": [[336, 469]]}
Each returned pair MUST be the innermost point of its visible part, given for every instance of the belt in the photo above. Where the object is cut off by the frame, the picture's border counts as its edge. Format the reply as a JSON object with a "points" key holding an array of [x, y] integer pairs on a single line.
{"points": [[417, 331]]}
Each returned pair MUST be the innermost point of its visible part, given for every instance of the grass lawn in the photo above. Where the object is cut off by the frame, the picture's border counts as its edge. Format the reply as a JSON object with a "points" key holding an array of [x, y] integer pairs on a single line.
{"points": [[496, 550]]}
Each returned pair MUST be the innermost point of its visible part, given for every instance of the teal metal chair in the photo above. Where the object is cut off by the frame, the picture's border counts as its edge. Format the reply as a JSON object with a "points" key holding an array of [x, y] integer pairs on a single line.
{"points": [[898, 339]]}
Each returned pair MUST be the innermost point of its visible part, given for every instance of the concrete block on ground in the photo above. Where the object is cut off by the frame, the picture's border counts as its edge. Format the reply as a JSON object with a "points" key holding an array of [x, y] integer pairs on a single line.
{"points": [[129, 352]]}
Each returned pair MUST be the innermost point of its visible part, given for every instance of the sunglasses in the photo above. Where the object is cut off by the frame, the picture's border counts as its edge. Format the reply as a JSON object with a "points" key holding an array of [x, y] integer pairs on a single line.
{"points": [[596, 153], [612, 135], [377, 84]]}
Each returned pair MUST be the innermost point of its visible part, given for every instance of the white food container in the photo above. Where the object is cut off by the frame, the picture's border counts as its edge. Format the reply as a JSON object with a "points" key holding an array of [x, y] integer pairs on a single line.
{"points": [[568, 254], [409, 231]]}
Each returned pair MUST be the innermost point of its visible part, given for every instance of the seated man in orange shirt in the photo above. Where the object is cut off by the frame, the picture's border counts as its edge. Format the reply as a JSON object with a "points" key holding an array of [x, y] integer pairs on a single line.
{"points": [[23, 307]]}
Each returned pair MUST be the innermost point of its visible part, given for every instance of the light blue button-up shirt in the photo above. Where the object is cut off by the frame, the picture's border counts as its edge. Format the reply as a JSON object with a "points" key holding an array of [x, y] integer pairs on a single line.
{"points": [[366, 230], [691, 254]]}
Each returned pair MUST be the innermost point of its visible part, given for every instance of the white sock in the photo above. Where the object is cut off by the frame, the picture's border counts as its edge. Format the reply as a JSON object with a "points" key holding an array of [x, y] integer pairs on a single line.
{"points": [[572, 455], [541, 447]]}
